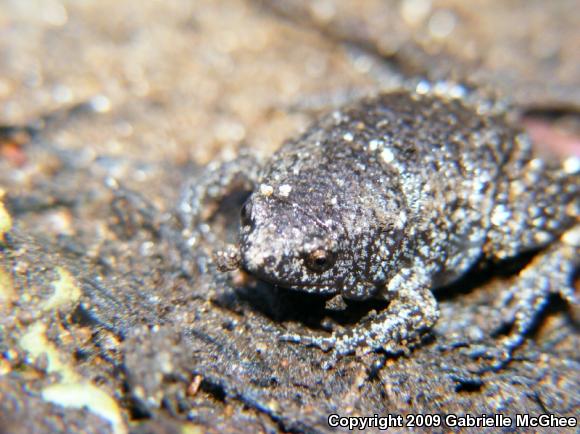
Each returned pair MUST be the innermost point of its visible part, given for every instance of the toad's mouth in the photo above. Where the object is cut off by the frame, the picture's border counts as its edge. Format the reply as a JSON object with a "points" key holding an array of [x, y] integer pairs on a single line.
{"points": [[312, 288]]}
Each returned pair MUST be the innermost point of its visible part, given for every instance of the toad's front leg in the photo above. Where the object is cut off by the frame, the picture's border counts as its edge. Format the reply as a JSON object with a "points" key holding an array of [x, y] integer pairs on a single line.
{"points": [[412, 311], [203, 196], [200, 205]]}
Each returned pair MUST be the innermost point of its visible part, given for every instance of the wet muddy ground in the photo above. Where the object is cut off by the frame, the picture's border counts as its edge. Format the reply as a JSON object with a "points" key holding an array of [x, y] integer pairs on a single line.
{"points": [[107, 324]]}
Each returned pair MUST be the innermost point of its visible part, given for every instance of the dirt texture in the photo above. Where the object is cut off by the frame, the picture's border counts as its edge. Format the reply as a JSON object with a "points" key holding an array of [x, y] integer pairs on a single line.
{"points": [[109, 323]]}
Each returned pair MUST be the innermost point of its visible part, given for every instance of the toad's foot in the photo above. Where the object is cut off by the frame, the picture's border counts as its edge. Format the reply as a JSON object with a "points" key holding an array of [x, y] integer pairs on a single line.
{"points": [[550, 272], [409, 315]]}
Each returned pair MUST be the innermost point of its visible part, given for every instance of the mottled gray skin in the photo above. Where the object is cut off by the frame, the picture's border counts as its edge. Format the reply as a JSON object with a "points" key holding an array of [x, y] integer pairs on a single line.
{"points": [[396, 195]]}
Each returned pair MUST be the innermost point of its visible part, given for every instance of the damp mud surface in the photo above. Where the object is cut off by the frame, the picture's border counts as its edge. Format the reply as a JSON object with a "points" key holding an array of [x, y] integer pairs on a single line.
{"points": [[110, 324]]}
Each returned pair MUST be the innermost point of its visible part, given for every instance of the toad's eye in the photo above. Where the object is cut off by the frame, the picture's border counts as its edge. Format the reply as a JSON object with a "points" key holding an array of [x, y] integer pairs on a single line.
{"points": [[246, 213], [320, 260]]}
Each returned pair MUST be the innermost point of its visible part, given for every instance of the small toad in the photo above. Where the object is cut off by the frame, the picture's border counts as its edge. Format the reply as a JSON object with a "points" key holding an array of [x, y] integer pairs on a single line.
{"points": [[393, 196]]}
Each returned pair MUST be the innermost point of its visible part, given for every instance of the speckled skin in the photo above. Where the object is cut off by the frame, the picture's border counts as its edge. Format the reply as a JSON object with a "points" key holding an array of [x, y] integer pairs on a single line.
{"points": [[393, 196]]}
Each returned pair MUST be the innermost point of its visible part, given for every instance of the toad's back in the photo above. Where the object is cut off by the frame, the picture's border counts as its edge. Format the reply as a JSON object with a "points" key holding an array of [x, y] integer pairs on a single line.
{"points": [[461, 181], [395, 195]]}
